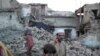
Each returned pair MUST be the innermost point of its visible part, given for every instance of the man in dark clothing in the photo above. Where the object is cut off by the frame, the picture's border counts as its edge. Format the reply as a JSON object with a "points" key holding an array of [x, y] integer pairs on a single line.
{"points": [[49, 50]]}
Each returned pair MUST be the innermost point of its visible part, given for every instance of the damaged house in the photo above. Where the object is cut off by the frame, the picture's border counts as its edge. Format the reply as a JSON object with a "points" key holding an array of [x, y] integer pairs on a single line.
{"points": [[10, 28], [64, 21], [8, 12], [33, 14], [49, 20], [89, 16]]}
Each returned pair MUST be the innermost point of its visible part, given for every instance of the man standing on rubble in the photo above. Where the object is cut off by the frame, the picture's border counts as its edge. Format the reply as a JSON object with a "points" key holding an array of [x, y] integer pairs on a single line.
{"points": [[29, 41], [60, 44]]}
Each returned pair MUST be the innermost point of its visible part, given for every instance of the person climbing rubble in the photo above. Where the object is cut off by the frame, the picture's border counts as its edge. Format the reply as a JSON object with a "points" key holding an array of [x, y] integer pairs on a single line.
{"points": [[29, 41], [59, 43], [49, 50], [4, 51]]}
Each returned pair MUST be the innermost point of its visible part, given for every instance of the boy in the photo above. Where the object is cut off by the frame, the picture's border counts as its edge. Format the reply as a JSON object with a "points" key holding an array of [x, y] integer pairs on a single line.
{"points": [[49, 50]]}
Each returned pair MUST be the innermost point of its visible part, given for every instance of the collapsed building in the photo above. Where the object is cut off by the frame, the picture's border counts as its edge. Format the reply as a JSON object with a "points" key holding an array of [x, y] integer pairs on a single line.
{"points": [[88, 31], [43, 22], [8, 16], [34, 17], [14, 18], [89, 16]]}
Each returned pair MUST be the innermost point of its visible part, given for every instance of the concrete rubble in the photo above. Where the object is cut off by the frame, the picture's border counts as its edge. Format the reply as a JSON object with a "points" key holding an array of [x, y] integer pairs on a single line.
{"points": [[74, 48], [12, 32], [17, 42]]}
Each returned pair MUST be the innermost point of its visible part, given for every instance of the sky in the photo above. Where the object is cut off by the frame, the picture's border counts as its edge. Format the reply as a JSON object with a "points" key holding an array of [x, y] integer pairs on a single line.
{"points": [[62, 5]]}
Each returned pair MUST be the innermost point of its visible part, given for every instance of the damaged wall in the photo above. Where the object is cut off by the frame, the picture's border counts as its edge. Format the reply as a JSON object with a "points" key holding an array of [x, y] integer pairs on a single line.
{"points": [[88, 14], [6, 4], [90, 25], [38, 10], [8, 19]]}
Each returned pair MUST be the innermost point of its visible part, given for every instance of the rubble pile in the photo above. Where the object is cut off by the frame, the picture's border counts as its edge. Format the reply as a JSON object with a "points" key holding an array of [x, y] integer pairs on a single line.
{"points": [[74, 48], [91, 42], [41, 34], [11, 33], [12, 37], [15, 41], [40, 37]]}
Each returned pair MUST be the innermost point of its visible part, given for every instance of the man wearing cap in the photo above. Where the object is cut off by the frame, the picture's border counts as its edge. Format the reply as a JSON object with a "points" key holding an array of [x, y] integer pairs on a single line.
{"points": [[59, 43]]}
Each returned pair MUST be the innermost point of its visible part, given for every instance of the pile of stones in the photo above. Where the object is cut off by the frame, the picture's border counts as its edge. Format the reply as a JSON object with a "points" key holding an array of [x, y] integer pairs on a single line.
{"points": [[74, 48], [17, 43]]}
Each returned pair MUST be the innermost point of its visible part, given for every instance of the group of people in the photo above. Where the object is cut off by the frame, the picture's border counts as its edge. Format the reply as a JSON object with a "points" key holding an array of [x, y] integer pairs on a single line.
{"points": [[56, 47]]}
